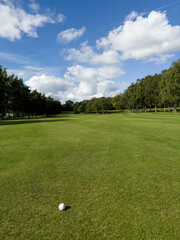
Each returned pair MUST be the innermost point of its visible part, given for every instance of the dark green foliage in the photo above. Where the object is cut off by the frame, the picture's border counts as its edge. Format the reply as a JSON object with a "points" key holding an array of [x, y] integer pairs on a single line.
{"points": [[17, 99], [68, 106], [170, 86], [95, 105], [152, 91]]}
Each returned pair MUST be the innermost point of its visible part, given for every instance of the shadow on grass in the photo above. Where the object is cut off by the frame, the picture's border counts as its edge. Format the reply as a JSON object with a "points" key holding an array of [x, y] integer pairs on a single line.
{"points": [[35, 120], [67, 208]]}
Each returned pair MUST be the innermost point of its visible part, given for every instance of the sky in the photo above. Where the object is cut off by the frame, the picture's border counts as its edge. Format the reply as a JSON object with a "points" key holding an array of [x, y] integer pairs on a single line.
{"points": [[79, 49]]}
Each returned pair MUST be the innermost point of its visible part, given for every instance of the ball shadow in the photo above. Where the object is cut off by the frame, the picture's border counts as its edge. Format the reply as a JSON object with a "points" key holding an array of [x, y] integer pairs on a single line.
{"points": [[67, 208]]}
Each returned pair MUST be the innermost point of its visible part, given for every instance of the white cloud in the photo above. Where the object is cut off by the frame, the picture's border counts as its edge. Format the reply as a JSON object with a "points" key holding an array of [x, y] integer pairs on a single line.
{"points": [[94, 82], [14, 21], [70, 34], [131, 16], [81, 73], [35, 7], [47, 84], [149, 38], [110, 57], [60, 18], [87, 54], [143, 38], [16, 72], [34, 68], [160, 59], [79, 83]]}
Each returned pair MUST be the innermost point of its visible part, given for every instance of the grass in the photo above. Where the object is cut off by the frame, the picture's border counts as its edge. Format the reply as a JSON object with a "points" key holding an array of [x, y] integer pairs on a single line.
{"points": [[118, 173]]}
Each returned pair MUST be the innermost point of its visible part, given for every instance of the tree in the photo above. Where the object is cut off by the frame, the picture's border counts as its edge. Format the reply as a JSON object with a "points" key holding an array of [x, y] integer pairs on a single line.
{"points": [[104, 104], [68, 106], [170, 85], [4, 91], [17, 98], [139, 94], [19, 95], [130, 97], [156, 92]]}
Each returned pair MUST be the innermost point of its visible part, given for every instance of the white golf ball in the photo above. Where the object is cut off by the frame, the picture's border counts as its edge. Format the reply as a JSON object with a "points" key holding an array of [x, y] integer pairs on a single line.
{"points": [[62, 206]]}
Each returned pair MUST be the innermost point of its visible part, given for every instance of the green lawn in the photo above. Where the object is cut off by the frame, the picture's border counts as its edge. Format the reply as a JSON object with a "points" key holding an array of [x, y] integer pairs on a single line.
{"points": [[118, 173]]}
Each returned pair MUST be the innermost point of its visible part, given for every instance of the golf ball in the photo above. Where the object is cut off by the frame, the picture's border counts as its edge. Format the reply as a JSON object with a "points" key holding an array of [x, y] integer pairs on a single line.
{"points": [[62, 206]]}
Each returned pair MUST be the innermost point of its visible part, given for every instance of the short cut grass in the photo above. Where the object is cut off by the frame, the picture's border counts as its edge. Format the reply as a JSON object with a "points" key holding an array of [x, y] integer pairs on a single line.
{"points": [[119, 175]]}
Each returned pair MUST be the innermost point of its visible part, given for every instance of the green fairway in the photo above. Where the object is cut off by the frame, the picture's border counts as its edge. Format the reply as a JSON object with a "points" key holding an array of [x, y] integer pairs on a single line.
{"points": [[118, 173]]}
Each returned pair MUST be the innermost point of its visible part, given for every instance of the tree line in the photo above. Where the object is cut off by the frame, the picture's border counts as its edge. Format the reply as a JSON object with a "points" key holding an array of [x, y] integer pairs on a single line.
{"points": [[157, 91], [17, 100]]}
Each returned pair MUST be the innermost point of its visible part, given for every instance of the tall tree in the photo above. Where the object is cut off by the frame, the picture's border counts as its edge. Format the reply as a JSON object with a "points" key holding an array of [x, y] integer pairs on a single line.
{"points": [[4, 91], [170, 85]]}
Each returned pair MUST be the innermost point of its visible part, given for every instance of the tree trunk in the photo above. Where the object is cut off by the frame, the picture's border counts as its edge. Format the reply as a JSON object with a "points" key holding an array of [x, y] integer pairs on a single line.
{"points": [[145, 109], [174, 109], [164, 107], [155, 108]]}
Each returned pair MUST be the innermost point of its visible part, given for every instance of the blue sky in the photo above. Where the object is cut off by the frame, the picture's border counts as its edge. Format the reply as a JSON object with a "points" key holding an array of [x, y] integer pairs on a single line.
{"points": [[79, 49]]}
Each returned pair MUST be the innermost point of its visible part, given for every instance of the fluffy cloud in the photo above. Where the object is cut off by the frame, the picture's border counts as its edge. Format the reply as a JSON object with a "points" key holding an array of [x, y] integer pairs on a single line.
{"points": [[160, 59], [150, 38], [85, 74], [14, 21], [70, 34], [47, 84], [87, 54], [143, 37], [95, 82], [79, 83]]}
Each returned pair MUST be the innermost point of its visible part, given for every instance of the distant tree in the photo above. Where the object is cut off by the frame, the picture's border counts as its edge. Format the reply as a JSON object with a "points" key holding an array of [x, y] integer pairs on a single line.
{"points": [[130, 97], [49, 103], [82, 107], [5, 88], [117, 102], [76, 106], [68, 106], [156, 91], [104, 104], [16, 97], [139, 94], [91, 106], [170, 85], [148, 91], [19, 96]]}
